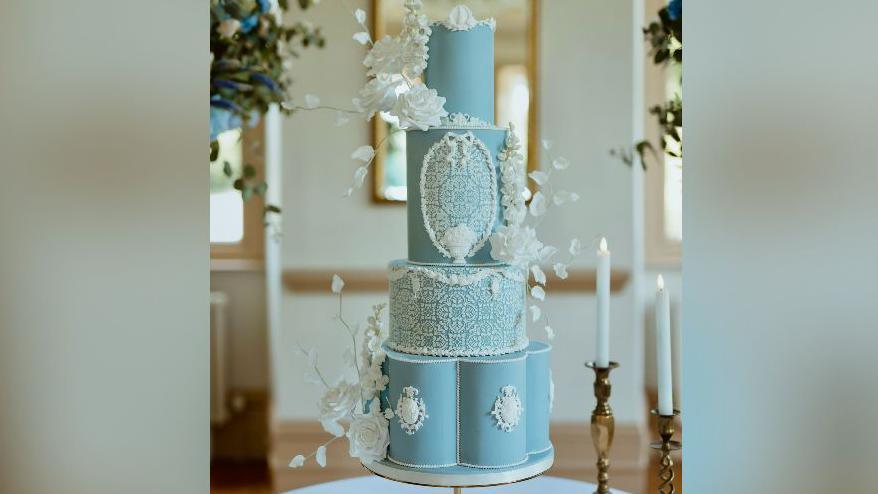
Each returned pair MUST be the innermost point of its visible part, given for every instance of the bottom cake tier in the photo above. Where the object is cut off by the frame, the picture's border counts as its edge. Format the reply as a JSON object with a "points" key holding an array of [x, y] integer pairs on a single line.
{"points": [[460, 417]]}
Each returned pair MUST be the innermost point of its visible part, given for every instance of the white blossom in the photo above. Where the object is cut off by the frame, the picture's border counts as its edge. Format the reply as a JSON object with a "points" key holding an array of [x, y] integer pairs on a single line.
{"points": [[563, 196], [539, 275], [362, 37], [338, 401], [516, 245], [337, 283], [379, 94], [538, 204], [539, 176], [385, 57], [311, 101], [320, 456], [560, 270], [360, 15], [360, 176], [535, 312], [575, 247], [420, 107], [297, 461], [537, 292], [228, 27], [341, 118], [547, 144], [363, 153], [560, 163], [368, 435], [550, 333]]}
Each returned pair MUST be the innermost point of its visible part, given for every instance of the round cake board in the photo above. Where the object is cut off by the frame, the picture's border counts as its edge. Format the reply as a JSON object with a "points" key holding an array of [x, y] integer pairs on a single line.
{"points": [[460, 476]]}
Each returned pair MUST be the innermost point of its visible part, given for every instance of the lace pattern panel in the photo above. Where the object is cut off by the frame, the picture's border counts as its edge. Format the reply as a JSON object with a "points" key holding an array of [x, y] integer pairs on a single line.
{"points": [[458, 195], [462, 311]]}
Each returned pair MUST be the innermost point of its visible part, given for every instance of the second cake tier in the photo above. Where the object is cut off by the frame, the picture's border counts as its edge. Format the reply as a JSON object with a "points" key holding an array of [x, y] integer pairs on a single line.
{"points": [[448, 310]]}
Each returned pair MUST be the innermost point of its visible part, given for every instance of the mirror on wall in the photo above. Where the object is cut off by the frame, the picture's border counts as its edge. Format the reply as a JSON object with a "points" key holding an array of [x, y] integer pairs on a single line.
{"points": [[515, 69]]}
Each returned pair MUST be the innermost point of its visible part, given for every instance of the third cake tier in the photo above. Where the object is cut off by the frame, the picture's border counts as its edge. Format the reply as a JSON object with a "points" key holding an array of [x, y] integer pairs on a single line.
{"points": [[449, 310]]}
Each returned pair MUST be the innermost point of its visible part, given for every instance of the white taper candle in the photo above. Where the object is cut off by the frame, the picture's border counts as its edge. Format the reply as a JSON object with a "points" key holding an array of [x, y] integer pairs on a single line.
{"points": [[663, 349], [602, 340]]}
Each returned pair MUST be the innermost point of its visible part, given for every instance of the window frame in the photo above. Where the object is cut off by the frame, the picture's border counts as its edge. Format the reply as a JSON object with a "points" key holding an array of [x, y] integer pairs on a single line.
{"points": [[249, 253]]}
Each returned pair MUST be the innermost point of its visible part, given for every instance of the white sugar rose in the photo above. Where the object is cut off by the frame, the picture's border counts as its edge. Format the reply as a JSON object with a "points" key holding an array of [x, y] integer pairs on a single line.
{"points": [[379, 94], [420, 107], [385, 57], [518, 246], [338, 401], [368, 436]]}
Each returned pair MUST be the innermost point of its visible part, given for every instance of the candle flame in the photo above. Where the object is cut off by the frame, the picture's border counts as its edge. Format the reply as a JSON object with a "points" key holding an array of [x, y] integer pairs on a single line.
{"points": [[603, 246], [660, 282]]}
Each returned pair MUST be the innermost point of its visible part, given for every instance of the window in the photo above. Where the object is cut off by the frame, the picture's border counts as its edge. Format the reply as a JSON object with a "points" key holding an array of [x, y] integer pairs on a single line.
{"points": [[664, 176], [236, 233]]}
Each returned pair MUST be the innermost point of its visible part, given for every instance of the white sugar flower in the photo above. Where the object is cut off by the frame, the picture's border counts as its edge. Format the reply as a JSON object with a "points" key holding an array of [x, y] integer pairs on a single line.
{"points": [[337, 283], [320, 456], [516, 245], [561, 163], [560, 270], [228, 27], [539, 275], [362, 37], [538, 204], [385, 57], [360, 176], [360, 15], [539, 176], [575, 247], [537, 292], [550, 333], [297, 461], [536, 313], [379, 94], [373, 380], [338, 401], [420, 107], [312, 101], [363, 153], [563, 196], [368, 435]]}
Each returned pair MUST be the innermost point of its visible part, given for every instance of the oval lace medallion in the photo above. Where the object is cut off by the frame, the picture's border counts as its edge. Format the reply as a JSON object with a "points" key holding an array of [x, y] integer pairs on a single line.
{"points": [[458, 195]]}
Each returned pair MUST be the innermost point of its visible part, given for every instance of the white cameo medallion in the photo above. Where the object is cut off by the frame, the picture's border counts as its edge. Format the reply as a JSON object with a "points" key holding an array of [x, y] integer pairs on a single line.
{"points": [[458, 195], [507, 409], [411, 410]]}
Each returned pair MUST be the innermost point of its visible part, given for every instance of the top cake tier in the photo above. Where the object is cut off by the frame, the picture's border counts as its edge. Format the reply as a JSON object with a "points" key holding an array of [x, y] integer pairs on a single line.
{"points": [[460, 68]]}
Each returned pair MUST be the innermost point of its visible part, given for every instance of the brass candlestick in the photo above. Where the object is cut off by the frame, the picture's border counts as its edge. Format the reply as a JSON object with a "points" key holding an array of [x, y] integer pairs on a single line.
{"points": [[666, 429], [603, 424]]}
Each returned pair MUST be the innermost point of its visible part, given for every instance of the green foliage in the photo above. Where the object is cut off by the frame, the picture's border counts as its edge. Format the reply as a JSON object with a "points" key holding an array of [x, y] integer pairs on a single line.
{"points": [[665, 38]]}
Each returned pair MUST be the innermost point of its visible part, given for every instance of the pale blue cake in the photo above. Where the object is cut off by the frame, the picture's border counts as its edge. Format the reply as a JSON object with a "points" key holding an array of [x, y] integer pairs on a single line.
{"points": [[471, 395]]}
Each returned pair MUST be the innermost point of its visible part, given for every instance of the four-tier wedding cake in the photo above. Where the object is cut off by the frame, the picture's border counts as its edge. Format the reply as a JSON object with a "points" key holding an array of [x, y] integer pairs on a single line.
{"points": [[471, 395]]}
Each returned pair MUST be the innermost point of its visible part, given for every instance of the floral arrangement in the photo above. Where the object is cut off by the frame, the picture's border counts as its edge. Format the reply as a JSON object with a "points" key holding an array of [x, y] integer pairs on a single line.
{"points": [[251, 53], [665, 37], [394, 65], [516, 242], [357, 405]]}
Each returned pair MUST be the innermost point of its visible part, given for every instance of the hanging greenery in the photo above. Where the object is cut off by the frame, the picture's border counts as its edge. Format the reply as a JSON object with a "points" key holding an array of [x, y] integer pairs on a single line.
{"points": [[251, 54], [665, 37]]}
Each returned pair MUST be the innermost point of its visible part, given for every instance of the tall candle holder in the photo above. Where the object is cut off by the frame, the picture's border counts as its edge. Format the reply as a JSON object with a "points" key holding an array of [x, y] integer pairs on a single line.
{"points": [[666, 429], [603, 424]]}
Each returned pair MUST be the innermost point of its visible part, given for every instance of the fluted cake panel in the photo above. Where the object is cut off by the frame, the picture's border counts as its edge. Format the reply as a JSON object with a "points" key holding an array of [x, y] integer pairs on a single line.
{"points": [[470, 412], [449, 310], [454, 194]]}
